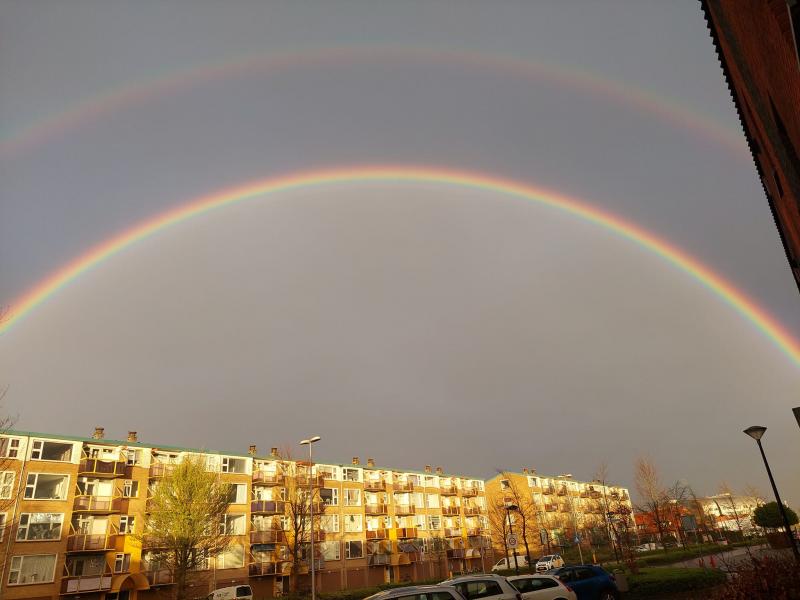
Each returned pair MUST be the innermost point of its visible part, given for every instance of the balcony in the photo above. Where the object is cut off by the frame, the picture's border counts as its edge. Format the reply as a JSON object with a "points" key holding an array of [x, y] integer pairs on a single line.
{"points": [[536, 489], [374, 560], [451, 511], [456, 553], [268, 536], [562, 491], [305, 481], [261, 569], [94, 467], [404, 509], [550, 507], [161, 469], [85, 583], [584, 494], [378, 485], [474, 532], [376, 534], [449, 490], [469, 492], [375, 509], [267, 507], [97, 504], [81, 542], [263, 478], [548, 490], [595, 494], [159, 577], [404, 487], [472, 511], [404, 533], [452, 532]]}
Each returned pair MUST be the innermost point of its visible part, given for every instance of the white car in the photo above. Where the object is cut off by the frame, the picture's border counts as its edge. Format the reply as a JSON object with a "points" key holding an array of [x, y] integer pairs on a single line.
{"points": [[506, 564], [551, 561], [542, 587], [495, 587]]}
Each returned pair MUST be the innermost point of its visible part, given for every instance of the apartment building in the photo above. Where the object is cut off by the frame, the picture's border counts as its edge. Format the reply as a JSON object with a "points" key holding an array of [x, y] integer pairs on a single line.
{"points": [[558, 509], [68, 507]]}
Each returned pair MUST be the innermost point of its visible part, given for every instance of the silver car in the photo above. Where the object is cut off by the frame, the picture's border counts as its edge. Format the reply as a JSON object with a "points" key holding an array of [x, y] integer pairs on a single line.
{"points": [[419, 592], [489, 586], [542, 587]]}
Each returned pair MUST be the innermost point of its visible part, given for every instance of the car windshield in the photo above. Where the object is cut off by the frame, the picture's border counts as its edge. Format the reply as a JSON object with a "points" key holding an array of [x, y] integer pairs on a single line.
{"points": [[546, 558]]}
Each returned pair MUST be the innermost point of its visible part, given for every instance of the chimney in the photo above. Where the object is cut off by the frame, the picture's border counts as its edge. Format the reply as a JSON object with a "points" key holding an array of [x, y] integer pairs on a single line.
{"points": [[439, 470], [98, 433], [427, 468], [251, 450], [132, 436], [525, 470], [370, 462], [273, 452], [356, 461]]}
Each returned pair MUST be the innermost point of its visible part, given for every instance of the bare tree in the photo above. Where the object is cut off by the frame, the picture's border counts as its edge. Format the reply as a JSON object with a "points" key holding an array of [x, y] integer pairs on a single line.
{"points": [[183, 528], [653, 497], [498, 523], [526, 509]]}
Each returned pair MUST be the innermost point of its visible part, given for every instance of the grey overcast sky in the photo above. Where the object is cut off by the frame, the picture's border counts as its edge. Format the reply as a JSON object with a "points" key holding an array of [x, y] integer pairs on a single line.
{"points": [[410, 322]]}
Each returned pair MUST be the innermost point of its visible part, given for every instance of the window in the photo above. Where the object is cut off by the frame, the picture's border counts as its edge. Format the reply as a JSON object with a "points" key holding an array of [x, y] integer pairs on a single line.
{"points": [[2, 526], [353, 549], [32, 568], [238, 493], [533, 584], [39, 526], [327, 472], [330, 523], [434, 522], [479, 589], [233, 465], [232, 525], [134, 457], [351, 474], [420, 522], [45, 486], [59, 451], [6, 484], [232, 558], [130, 489], [9, 447], [352, 523], [126, 523], [432, 500], [352, 497], [122, 563], [331, 550], [330, 496]]}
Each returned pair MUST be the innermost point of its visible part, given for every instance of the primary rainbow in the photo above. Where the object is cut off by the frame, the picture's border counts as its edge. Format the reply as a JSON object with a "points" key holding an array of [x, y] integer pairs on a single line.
{"points": [[389, 174]]}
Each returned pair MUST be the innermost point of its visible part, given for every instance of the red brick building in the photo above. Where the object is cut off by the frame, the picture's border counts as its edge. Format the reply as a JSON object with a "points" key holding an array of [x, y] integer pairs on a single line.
{"points": [[757, 43]]}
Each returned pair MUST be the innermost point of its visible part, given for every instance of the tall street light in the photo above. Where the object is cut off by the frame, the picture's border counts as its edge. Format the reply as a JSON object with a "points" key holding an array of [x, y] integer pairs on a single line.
{"points": [[309, 442], [509, 508], [755, 432]]}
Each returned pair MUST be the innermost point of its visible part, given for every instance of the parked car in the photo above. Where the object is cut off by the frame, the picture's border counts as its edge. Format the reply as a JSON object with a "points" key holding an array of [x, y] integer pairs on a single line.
{"points": [[419, 592], [648, 547], [551, 561], [508, 563], [589, 582], [495, 587], [234, 592], [542, 587]]}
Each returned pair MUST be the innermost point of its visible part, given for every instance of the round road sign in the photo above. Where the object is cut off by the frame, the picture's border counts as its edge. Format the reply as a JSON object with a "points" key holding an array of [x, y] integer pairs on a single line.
{"points": [[512, 541]]}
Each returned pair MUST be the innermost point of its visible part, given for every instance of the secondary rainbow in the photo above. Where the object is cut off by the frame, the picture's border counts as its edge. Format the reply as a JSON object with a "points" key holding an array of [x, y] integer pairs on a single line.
{"points": [[393, 174]]}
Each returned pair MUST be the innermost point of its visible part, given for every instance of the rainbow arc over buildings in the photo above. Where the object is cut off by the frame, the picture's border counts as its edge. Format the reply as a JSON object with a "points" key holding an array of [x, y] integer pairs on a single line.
{"points": [[389, 174]]}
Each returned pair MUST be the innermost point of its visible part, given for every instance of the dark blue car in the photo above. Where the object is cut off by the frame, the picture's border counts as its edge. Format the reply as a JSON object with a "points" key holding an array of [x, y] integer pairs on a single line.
{"points": [[589, 582]]}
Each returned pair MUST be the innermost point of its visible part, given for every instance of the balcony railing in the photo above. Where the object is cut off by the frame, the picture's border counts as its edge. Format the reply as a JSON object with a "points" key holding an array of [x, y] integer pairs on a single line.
{"points": [[260, 569], [267, 507], [536, 488], [98, 504], [376, 534], [595, 494], [548, 490], [85, 583], [268, 536], [456, 553], [472, 510], [306, 481], [94, 467], [452, 532], [404, 509], [448, 490], [375, 509], [474, 532], [550, 507], [406, 532], [374, 560], [161, 469], [451, 511], [159, 577], [562, 491], [81, 542], [404, 487], [378, 485], [469, 492], [264, 478]]}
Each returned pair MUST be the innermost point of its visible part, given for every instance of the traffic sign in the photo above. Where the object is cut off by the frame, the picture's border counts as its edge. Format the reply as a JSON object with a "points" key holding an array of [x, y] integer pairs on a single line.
{"points": [[512, 541]]}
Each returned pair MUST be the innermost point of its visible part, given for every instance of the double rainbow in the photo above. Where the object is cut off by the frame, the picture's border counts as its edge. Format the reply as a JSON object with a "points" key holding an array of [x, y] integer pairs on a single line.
{"points": [[391, 174]]}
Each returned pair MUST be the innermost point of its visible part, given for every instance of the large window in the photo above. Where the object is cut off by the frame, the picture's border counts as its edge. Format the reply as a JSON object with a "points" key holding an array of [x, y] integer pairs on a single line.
{"points": [[9, 447], [32, 568], [130, 489], [233, 465], [352, 497], [232, 525], [2, 526], [330, 496], [353, 549], [122, 563], [232, 558], [134, 457], [331, 550], [59, 451], [329, 523], [46, 486], [432, 500], [352, 523], [39, 526], [351, 474], [434, 522], [6, 484], [238, 493], [126, 523]]}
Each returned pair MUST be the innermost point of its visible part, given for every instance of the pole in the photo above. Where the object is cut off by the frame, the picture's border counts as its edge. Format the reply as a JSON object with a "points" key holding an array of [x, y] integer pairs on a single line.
{"points": [[311, 506], [511, 532], [787, 526]]}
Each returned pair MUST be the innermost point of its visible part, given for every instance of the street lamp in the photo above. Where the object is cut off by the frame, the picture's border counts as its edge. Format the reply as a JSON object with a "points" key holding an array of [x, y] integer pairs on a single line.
{"points": [[309, 443], [509, 508], [755, 432]]}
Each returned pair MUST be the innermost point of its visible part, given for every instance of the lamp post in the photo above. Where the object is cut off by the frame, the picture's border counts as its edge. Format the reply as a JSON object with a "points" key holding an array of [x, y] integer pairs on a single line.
{"points": [[509, 508], [755, 432], [309, 443]]}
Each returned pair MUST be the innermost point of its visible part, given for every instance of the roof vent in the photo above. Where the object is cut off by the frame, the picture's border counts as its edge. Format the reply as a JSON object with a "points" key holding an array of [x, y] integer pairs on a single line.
{"points": [[251, 450], [98, 433], [356, 461], [370, 462]]}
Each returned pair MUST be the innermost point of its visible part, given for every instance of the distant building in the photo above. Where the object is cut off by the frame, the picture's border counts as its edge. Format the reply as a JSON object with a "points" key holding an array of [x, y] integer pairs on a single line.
{"points": [[730, 512], [757, 42]]}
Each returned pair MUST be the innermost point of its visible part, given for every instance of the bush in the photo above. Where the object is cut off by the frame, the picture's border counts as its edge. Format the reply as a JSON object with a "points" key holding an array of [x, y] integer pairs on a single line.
{"points": [[662, 581], [767, 578]]}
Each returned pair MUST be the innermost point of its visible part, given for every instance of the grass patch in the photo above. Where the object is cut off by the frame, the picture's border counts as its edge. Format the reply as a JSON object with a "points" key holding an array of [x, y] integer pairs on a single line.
{"points": [[650, 583]]}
